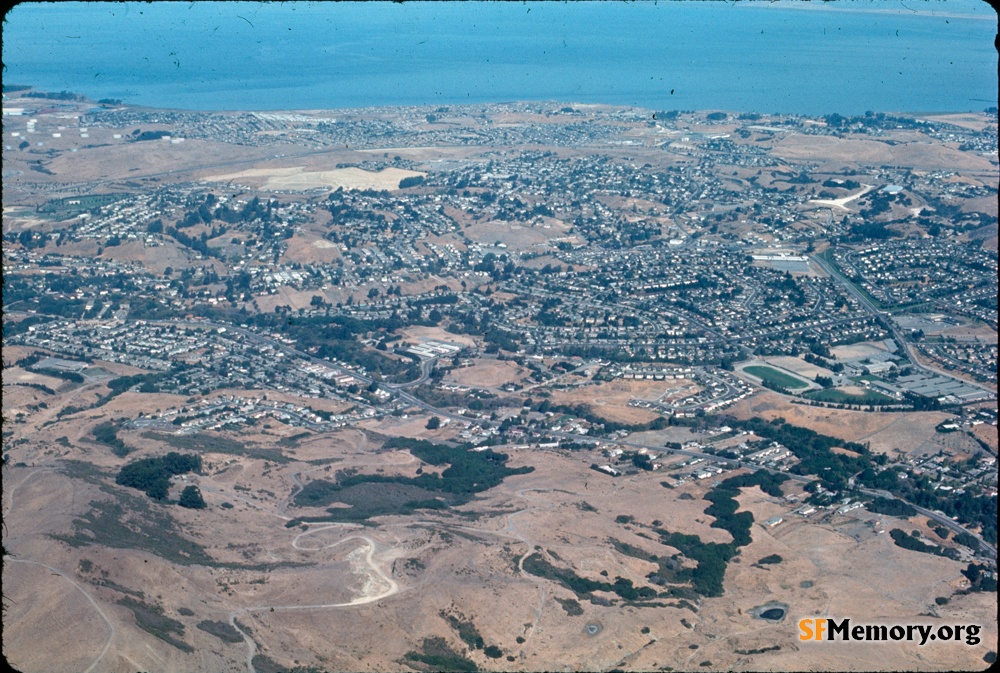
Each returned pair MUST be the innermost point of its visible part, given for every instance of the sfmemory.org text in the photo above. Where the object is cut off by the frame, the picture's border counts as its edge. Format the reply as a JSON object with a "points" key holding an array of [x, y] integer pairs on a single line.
{"points": [[827, 628]]}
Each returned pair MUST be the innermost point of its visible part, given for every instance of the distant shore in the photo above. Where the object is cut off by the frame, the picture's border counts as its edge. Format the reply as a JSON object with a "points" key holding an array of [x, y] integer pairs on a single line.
{"points": [[16, 95]]}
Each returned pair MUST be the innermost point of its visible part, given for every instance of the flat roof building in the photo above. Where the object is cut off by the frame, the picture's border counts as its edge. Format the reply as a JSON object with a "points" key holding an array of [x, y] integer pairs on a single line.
{"points": [[60, 365]]}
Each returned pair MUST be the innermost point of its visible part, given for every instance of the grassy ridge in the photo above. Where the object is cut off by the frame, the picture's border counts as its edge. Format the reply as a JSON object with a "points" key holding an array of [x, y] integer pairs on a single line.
{"points": [[840, 397]]}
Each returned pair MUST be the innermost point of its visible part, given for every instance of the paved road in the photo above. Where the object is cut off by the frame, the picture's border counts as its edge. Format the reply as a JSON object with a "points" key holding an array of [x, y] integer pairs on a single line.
{"points": [[943, 520], [401, 393], [886, 318], [426, 367]]}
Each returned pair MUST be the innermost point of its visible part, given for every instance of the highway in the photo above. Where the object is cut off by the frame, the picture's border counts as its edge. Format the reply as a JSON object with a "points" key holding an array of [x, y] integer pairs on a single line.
{"points": [[426, 367], [940, 518], [886, 318]]}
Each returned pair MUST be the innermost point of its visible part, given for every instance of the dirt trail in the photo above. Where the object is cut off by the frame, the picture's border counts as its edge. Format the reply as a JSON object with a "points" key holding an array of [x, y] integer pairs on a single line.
{"points": [[111, 626], [10, 493], [251, 645], [41, 417], [510, 531], [283, 505], [389, 587]]}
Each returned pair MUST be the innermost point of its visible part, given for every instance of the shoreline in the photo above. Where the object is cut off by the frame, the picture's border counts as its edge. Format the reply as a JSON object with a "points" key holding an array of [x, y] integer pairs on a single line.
{"points": [[9, 98]]}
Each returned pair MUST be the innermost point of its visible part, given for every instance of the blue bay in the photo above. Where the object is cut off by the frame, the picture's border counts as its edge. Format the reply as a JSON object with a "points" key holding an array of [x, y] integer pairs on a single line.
{"points": [[768, 57]]}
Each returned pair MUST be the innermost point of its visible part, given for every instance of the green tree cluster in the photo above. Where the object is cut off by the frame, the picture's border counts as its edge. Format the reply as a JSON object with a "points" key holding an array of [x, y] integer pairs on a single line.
{"points": [[106, 434], [912, 543], [412, 181], [438, 656], [468, 472], [583, 587], [813, 450], [152, 475], [712, 557], [980, 577], [191, 498], [890, 506]]}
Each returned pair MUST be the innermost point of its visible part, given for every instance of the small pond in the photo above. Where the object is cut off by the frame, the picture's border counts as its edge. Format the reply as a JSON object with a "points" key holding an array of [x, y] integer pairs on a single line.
{"points": [[771, 612]]}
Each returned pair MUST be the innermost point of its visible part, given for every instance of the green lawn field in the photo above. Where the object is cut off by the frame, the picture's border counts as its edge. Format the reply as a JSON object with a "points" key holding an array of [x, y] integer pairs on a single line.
{"points": [[778, 378]]}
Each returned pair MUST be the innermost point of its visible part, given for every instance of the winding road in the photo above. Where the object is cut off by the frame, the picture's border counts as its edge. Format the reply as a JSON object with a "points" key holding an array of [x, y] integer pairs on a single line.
{"points": [[391, 587]]}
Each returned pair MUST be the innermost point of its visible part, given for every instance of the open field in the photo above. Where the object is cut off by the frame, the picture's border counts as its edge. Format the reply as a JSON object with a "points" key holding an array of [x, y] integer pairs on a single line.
{"points": [[859, 351], [850, 395], [802, 147], [155, 259], [39, 601], [413, 427], [15, 375], [418, 334], [521, 237], [331, 405], [976, 122], [799, 366], [488, 374], [132, 160], [62, 209], [609, 399], [911, 432], [298, 178], [310, 249], [842, 202], [983, 333], [987, 433], [286, 295], [23, 218], [12, 353], [394, 580]]}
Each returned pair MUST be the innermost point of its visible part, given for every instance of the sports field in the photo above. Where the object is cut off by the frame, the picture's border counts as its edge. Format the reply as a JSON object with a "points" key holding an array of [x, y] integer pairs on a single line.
{"points": [[778, 378]]}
